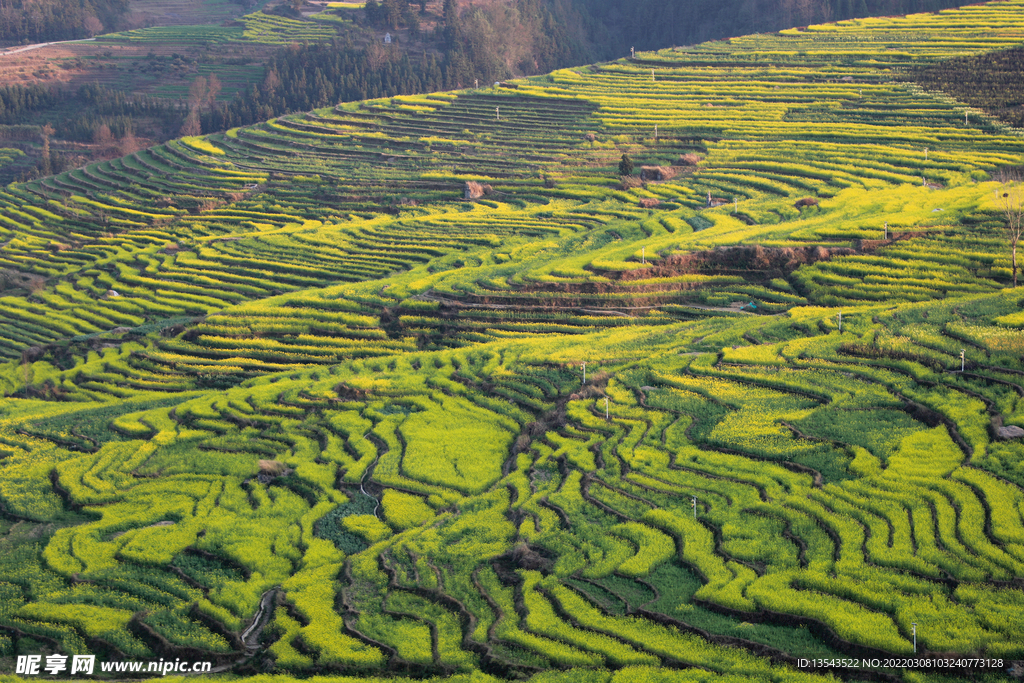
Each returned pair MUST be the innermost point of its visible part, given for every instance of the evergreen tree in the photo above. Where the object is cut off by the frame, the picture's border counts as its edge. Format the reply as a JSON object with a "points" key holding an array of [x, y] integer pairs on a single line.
{"points": [[452, 30], [391, 13], [373, 12], [625, 165]]}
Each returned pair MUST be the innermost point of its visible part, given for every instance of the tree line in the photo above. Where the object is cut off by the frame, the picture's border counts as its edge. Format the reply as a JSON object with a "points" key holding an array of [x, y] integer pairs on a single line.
{"points": [[78, 113], [45, 21], [42, 21], [108, 119]]}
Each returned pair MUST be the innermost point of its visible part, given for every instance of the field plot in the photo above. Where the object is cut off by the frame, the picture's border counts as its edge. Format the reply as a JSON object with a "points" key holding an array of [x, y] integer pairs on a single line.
{"points": [[255, 28], [190, 12], [180, 41], [424, 387]]}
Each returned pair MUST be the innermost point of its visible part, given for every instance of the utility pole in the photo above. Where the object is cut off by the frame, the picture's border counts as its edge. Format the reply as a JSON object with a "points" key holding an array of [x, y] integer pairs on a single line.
{"points": [[643, 255], [887, 230], [606, 409], [652, 75], [497, 113], [584, 373], [840, 322], [694, 501], [962, 360], [913, 626]]}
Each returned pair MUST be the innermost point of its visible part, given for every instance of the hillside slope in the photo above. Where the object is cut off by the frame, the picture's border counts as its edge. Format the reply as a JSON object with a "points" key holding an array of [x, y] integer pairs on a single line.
{"points": [[193, 66], [425, 386]]}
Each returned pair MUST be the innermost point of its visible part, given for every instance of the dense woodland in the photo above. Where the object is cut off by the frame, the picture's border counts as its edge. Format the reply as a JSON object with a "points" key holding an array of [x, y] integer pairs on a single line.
{"points": [[95, 106], [34, 21], [39, 21]]}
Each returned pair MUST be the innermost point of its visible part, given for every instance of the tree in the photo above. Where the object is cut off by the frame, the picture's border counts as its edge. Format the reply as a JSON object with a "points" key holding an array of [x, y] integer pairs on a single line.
{"points": [[213, 88], [129, 144], [271, 81], [625, 165], [452, 29], [411, 20], [1010, 200], [191, 127], [392, 13], [373, 13], [198, 92], [102, 136], [92, 25], [47, 132]]}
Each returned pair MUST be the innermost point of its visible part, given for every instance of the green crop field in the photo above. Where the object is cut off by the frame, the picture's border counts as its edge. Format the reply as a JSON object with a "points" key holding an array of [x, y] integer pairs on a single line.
{"points": [[252, 28], [423, 388]]}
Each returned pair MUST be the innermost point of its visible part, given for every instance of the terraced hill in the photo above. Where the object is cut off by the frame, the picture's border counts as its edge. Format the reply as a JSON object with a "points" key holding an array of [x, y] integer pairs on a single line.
{"points": [[287, 399]]}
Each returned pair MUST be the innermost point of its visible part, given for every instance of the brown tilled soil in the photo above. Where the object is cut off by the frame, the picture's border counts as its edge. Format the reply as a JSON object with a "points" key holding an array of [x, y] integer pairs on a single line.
{"points": [[40, 66], [760, 262]]}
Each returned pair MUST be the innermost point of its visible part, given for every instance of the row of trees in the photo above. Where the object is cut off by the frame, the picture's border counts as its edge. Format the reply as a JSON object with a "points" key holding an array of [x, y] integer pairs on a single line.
{"points": [[320, 75], [111, 119], [40, 21], [77, 114], [394, 14], [18, 103], [91, 107]]}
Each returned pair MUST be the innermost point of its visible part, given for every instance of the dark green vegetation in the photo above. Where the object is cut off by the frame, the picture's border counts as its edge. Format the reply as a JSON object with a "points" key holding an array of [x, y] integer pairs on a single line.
{"points": [[993, 82], [38, 21], [330, 368]]}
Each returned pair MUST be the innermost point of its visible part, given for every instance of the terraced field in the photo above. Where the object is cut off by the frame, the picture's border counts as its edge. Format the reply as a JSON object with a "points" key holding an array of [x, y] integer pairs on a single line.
{"points": [[257, 27], [423, 387]]}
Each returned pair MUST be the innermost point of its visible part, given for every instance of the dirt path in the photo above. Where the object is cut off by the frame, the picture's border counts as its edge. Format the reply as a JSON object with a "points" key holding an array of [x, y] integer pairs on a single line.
{"points": [[26, 48]]}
